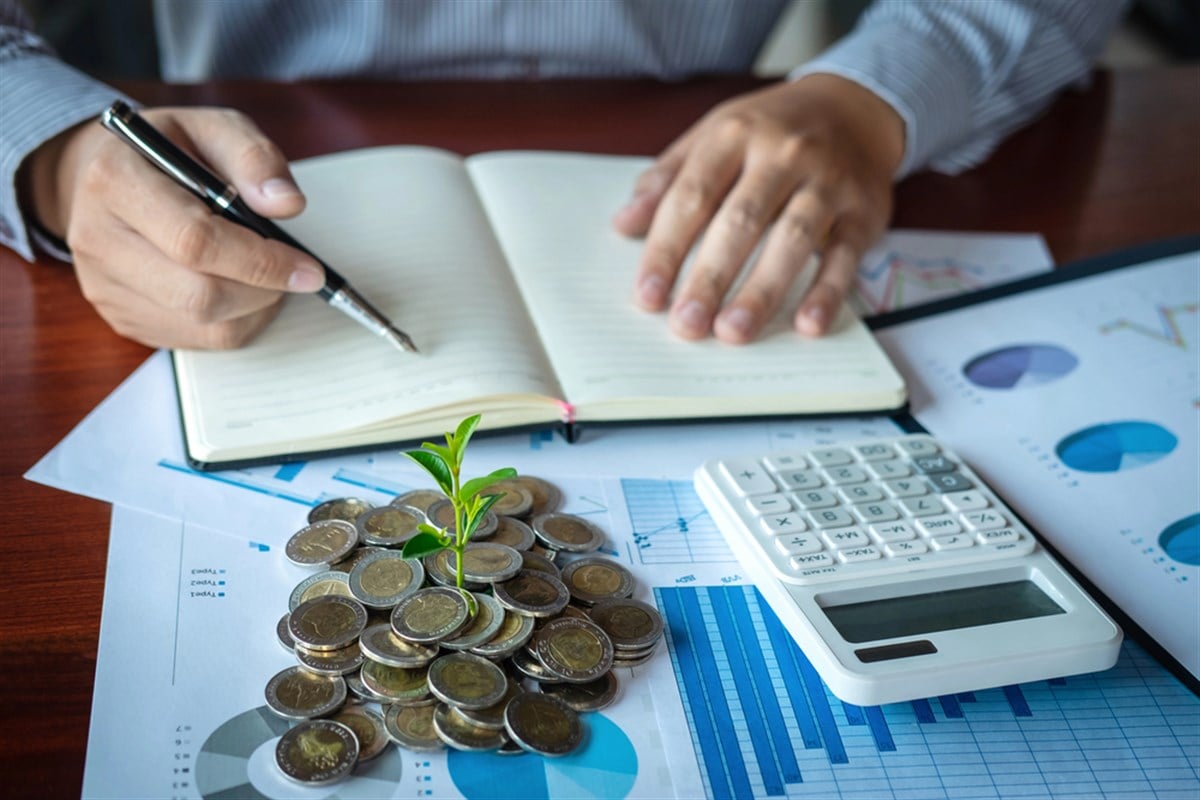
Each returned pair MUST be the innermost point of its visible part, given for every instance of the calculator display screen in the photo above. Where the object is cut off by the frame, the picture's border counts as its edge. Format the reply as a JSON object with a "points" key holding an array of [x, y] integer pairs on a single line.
{"points": [[917, 614]]}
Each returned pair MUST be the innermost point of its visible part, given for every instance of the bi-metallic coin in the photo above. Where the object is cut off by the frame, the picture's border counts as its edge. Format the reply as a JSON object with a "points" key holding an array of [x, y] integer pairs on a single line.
{"points": [[567, 532], [384, 578], [368, 729], [463, 680], [281, 633], [296, 693], [590, 696], [515, 501], [492, 717], [488, 562], [533, 593], [441, 515], [630, 624], [514, 632], [343, 508], [379, 643], [543, 724], [574, 650], [441, 569], [489, 616], [388, 526], [330, 662], [328, 622], [514, 533], [595, 578], [317, 752], [546, 496], [420, 499], [431, 615], [397, 684], [460, 733], [322, 583], [322, 543], [411, 727]]}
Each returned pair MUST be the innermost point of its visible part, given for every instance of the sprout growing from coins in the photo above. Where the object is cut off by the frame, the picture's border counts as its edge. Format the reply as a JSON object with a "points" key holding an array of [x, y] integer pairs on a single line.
{"points": [[467, 499]]}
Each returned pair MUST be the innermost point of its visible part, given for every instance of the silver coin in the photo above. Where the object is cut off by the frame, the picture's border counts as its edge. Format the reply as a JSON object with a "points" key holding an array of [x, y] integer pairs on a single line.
{"points": [[296, 693], [411, 727], [514, 533], [388, 526], [595, 578], [281, 633], [533, 593], [488, 562], [489, 616], [322, 543], [420, 499], [527, 665], [440, 568], [462, 734], [317, 752], [463, 680], [379, 643], [431, 615], [514, 632], [492, 717], [384, 578], [397, 684], [543, 724], [532, 560], [343, 508], [328, 622], [567, 532], [515, 501], [322, 583], [590, 696], [630, 624], [330, 662], [368, 729], [574, 650], [546, 496]]}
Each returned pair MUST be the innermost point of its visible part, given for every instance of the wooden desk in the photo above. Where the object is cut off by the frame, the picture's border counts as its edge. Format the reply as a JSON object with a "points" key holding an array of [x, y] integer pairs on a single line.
{"points": [[1111, 166]]}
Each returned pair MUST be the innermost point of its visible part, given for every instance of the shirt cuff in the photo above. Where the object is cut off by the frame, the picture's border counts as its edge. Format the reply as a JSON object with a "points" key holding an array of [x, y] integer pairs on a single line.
{"points": [[40, 97]]}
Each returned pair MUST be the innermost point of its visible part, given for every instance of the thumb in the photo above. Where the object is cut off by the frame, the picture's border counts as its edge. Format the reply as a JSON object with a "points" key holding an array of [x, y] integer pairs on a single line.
{"points": [[242, 154]]}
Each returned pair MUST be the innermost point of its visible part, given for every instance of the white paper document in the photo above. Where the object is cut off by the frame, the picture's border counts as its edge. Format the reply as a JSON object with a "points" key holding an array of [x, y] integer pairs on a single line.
{"points": [[1080, 404]]}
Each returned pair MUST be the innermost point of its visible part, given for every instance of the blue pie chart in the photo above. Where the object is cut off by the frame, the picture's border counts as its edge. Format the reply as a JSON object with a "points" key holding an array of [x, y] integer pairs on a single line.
{"points": [[604, 768], [1116, 446], [1181, 540], [1020, 366]]}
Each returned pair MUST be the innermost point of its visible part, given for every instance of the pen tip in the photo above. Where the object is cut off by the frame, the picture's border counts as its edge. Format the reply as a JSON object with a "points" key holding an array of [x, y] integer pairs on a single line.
{"points": [[402, 342]]}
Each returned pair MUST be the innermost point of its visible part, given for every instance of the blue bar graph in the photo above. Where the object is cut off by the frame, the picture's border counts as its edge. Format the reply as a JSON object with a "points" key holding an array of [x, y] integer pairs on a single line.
{"points": [[764, 725]]}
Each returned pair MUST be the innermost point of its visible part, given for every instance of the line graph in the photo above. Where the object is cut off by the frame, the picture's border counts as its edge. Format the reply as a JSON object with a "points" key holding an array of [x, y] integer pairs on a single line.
{"points": [[670, 524], [1169, 331], [896, 280]]}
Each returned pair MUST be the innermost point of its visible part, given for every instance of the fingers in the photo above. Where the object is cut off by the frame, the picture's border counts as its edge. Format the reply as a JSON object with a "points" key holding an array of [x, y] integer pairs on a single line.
{"points": [[839, 265]]}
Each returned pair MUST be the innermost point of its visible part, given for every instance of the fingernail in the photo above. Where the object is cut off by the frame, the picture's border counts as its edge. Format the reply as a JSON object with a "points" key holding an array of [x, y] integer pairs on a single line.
{"points": [[693, 316], [278, 187], [815, 318], [306, 278], [652, 291], [741, 320]]}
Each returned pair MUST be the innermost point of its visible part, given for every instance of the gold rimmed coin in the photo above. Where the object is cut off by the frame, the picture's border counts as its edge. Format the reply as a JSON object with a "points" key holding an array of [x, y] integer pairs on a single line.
{"points": [[463, 680], [379, 643], [462, 734], [532, 593], [328, 622], [630, 624], [546, 496], [384, 578], [368, 729], [543, 724], [388, 526], [431, 615], [595, 578], [322, 543], [411, 727], [328, 582], [296, 693], [317, 752], [489, 562], [397, 684], [590, 696], [346, 509], [574, 650], [567, 532], [420, 499]]}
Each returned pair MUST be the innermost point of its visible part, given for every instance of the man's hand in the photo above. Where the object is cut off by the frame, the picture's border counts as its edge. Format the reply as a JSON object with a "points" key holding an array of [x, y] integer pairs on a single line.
{"points": [[808, 164], [154, 261]]}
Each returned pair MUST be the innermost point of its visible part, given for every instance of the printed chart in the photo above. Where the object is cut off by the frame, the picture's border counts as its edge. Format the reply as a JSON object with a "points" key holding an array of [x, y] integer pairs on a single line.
{"points": [[1020, 366], [670, 523], [764, 725], [1116, 446]]}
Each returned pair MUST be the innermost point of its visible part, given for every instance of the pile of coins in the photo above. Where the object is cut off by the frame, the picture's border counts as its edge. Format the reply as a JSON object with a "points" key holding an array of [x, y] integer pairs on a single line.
{"points": [[507, 669]]}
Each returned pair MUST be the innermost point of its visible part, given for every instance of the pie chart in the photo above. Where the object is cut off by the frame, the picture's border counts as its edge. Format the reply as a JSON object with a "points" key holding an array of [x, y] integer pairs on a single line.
{"points": [[1115, 446], [604, 768], [1020, 366], [1181, 540]]}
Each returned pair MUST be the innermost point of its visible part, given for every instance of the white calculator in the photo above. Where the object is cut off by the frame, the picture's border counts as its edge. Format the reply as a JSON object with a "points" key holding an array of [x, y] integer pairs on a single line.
{"points": [[900, 574]]}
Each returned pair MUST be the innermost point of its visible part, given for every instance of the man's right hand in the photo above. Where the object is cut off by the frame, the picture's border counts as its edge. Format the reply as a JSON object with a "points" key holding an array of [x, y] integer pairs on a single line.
{"points": [[156, 263]]}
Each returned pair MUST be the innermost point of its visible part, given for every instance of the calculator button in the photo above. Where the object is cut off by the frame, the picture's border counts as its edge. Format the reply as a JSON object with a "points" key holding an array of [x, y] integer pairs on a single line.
{"points": [[830, 518], [786, 461], [845, 537], [810, 560], [815, 498], [906, 487], [875, 512], [965, 501], [931, 465], [769, 504], [917, 447], [1001, 536], [840, 476], [886, 470], [863, 493], [868, 553], [950, 482], [893, 532], [874, 452], [748, 477], [799, 544], [909, 548], [955, 542], [830, 457], [938, 526], [797, 480], [783, 523], [921, 506], [986, 520]]}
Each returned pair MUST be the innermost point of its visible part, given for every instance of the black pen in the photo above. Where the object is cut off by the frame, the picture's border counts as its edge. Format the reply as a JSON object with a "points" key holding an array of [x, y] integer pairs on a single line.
{"points": [[223, 199]]}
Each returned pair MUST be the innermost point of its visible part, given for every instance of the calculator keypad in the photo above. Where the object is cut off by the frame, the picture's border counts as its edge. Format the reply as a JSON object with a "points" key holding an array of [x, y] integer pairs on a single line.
{"points": [[878, 507]]}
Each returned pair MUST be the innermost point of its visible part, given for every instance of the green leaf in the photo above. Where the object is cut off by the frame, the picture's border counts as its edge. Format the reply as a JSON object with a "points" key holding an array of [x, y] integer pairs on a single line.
{"points": [[463, 435], [476, 485], [436, 466], [446, 453], [425, 527], [478, 511], [422, 544]]}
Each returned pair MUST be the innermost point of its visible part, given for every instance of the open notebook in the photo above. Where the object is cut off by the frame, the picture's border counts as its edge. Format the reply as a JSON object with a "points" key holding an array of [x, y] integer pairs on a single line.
{"points": [[505, 270]]}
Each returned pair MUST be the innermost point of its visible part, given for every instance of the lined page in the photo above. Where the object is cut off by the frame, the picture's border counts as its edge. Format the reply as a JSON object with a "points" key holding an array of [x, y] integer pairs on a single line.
{"points": [[405, 227], [552, 211]]}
